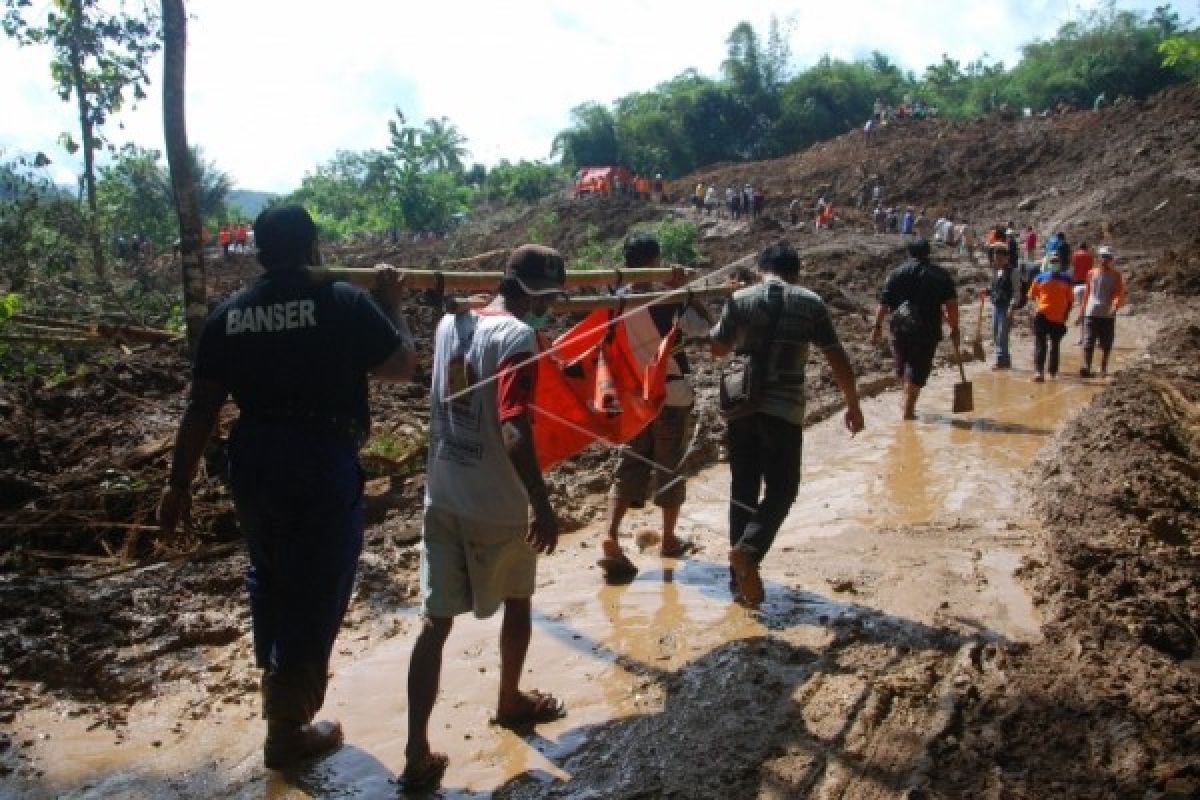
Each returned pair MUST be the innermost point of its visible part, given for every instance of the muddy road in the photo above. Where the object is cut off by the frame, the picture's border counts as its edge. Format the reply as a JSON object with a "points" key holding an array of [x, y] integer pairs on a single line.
{"points": [[893, 584]]}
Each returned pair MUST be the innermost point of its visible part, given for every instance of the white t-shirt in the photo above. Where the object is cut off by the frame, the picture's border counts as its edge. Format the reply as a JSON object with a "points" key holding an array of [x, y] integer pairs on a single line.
{"points": [[469, 472], [644, 340]]}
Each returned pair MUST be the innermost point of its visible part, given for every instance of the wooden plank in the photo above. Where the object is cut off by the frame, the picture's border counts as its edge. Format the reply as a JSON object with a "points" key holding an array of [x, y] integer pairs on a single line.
{"points": [[366, 277]]}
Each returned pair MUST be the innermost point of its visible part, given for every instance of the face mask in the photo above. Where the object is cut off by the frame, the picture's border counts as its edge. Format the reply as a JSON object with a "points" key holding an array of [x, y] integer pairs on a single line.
{"points": [[537, 321]]}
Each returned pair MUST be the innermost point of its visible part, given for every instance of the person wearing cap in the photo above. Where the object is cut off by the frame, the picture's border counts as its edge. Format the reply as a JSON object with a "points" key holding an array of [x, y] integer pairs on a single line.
{"points": [[487, 511], [1103, 292], [765, 440], [653, 457], [295, 353], [1052, 297], [1003, 292], [928, 290]]}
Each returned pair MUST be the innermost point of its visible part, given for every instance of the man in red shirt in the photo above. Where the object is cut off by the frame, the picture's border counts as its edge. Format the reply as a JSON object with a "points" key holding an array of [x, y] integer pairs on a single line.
{"points": [[1081, 264]]}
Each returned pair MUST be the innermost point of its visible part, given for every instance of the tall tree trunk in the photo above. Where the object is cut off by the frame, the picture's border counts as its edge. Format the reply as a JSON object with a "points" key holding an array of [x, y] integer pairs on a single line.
{"points": [[86, 133], [195, 307]]}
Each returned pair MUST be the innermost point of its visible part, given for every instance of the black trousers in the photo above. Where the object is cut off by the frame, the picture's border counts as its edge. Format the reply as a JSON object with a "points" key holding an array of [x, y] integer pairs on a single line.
{"points": [[764, 461], [1047, 335]]}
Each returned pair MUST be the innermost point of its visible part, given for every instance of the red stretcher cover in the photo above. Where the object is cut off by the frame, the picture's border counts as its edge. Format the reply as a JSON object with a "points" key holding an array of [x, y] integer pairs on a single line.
{"points": [[592, 387]]}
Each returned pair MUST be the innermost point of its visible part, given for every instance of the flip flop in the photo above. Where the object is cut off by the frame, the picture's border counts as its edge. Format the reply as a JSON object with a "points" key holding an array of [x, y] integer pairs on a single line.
{"points": [[539, 707], [618, 570], [425, 775], [681, 548]]}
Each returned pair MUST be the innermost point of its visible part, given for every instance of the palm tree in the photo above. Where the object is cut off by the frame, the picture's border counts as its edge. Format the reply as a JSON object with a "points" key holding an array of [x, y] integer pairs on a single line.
{"points": [[212, 185], [443, 145]]}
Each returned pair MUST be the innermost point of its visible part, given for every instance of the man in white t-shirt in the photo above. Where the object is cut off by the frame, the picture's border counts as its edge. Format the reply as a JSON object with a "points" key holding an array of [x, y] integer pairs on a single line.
{"points": [[654, 456], [479, 540]]}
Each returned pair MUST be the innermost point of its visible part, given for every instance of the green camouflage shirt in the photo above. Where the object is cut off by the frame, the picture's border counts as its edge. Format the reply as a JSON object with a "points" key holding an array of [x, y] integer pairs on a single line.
{"points": [[804, 319]]}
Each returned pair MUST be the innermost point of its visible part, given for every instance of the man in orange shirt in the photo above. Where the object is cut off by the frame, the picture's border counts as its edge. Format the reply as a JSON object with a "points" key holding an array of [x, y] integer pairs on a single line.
{"points": [[1052, 296], [224, 238]]}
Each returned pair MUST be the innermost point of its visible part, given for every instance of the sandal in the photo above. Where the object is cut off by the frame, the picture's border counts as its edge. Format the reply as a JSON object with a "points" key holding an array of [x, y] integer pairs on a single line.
{"points": [[679, 549], [425, 774], [537, 707]]}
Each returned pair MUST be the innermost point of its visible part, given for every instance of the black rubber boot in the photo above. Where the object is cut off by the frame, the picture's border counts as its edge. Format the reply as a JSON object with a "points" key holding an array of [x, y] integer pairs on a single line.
{"points": [[292, 737]]}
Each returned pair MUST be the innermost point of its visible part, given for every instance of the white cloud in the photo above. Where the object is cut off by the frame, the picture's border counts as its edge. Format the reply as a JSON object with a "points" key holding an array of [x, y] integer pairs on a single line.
{"points": [[275, 89]]}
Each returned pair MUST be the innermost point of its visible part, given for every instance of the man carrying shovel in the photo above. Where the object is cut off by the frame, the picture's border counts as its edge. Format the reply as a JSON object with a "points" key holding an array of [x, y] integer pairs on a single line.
{"points": [[917, 295]]}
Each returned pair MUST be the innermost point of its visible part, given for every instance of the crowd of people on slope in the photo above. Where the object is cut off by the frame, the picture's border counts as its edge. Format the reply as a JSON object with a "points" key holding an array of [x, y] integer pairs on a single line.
{"points": [[710, 201], [1050, 282], [1057, 279]]}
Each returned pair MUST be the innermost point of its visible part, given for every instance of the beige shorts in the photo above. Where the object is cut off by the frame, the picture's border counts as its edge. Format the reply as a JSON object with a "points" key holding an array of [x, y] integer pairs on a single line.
{"points": [[467, 565]]}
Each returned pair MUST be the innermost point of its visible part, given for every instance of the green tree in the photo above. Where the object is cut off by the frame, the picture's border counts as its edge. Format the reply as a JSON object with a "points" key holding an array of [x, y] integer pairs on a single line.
{"points": [[135, 197], [524, 182], [40, 224], [444, 146], [99, 56], [591, 140]]}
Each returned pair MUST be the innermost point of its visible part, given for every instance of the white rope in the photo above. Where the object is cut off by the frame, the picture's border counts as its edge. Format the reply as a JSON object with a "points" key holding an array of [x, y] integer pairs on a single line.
{"points": [[639, 457]]}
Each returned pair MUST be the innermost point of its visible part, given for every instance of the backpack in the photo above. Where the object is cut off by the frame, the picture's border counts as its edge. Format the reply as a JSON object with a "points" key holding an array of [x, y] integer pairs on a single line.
{"points": [[907, 322]]}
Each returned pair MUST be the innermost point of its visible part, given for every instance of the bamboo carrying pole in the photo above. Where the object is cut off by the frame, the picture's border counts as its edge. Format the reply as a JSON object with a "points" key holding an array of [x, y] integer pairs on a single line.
{"points": [[366, 277], [573, 305]]}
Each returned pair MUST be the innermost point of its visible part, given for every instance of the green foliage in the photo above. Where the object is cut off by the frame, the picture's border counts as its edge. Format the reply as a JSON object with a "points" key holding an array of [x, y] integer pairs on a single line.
{"points": [[136, 197], [416, 184], [523, 182], [591, 139], [41, 227], [677, 240], [1182, 53], [10, 303], [758, 107], [1107, 50], [99, 56], [596, 254], [540, 229]]}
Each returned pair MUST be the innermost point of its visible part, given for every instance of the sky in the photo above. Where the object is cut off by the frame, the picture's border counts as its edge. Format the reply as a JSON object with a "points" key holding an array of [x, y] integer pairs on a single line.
{"points": [[275, 89]]}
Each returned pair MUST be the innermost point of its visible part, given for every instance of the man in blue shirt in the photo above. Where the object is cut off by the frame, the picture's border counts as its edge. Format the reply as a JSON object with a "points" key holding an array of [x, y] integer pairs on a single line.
{"points": [[295, 354]]}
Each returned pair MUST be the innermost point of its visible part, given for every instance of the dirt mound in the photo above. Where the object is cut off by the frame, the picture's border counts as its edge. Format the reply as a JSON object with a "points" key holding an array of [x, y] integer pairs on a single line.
{"points": [[1127, 174], [1108, 705]]}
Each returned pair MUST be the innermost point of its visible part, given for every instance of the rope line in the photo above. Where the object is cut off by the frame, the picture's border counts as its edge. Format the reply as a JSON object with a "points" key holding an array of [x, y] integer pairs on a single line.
{"points": [[639, 457]]}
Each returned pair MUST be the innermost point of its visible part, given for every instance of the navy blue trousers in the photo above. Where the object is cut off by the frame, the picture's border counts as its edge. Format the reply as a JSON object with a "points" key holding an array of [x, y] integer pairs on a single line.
{"points": [[298, 496]]}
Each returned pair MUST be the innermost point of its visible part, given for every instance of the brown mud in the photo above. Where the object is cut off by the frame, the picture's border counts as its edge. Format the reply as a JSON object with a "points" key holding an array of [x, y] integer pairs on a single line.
{"points": [[997, 605]]}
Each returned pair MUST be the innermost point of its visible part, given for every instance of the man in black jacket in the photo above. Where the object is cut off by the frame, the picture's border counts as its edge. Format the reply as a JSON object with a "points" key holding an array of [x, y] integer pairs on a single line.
{"points": [[918, 294], [295, 353]]}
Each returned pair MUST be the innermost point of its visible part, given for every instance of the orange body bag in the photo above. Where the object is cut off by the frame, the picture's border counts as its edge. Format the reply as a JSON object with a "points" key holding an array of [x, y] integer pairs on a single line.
{"points": [[592, 387]]}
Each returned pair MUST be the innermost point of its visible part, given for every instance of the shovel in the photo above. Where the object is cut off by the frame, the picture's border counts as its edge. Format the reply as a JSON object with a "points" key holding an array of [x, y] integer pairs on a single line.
{"points": [[977, 351], [964, 399]]}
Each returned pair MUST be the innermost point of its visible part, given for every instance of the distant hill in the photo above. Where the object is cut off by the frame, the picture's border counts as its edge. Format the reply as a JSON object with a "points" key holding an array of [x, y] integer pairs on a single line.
{"points": [[248, 201]]}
